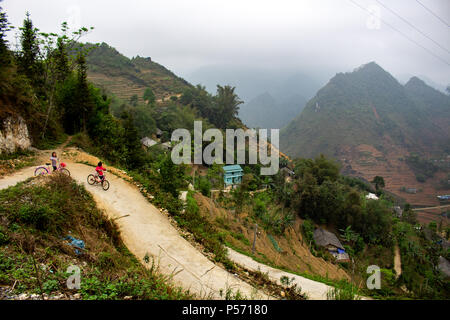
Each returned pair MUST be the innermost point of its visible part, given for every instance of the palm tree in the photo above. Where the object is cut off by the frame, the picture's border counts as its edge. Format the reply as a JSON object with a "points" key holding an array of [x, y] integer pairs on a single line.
{"points": [[227, 103]]}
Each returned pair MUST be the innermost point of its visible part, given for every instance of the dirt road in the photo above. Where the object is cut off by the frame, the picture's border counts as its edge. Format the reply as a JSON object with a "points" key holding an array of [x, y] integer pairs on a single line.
{"points": [[397, 262], [147, 231]]}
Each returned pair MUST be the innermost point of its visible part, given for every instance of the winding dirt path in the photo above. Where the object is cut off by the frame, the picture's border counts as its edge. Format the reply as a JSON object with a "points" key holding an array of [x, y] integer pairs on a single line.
{"points": [[314, 290], [147, 231], [397, 261]]}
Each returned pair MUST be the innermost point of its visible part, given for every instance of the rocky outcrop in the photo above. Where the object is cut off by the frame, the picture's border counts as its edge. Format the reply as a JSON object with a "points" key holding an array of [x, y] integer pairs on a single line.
{"points": [[14, 134]]}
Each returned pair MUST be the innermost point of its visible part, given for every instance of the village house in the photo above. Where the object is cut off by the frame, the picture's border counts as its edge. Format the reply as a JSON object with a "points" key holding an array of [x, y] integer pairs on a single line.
{"points": [[287, 173], [232, 175], [372, 196], [329, 241], [148, 142], [398, 211]]}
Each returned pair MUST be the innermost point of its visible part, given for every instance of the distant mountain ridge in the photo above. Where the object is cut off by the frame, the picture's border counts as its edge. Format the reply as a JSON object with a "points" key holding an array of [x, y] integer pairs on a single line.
{"points": [[369, 106], [124, 77], [265, 111]]}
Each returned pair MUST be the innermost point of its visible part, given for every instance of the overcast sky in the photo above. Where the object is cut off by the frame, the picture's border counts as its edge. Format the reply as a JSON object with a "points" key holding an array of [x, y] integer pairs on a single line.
{"points": [[184, 35]]}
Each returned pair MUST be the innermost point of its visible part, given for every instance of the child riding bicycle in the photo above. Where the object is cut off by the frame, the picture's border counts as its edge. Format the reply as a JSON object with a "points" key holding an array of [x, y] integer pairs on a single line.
{"points": [[99, 169]]}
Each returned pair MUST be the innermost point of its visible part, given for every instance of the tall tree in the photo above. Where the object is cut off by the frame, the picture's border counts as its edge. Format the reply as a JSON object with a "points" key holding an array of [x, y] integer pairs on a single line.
{"points": [[135, 153], [227, 102], [62, 69], [83, 95], [379, 182], [4, 28], [28, 57], [149, 96]]}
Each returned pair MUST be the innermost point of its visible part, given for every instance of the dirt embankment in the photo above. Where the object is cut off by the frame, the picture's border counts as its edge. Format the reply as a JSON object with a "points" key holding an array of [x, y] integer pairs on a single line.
{"points": [[294, 253]]}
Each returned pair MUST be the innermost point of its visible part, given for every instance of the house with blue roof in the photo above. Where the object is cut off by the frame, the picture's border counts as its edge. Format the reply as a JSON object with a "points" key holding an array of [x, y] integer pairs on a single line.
{"points": [[232, 174]]}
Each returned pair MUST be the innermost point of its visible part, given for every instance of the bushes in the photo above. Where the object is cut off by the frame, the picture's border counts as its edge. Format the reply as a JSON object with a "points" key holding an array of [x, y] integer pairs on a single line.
{"points": [[320, 196], [203, 184], [308, 230], [423, 168]]}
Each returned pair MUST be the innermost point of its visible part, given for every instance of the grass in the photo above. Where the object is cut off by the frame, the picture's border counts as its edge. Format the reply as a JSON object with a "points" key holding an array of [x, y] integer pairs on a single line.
{"points": [[10, 162], [17, 154], [51, 143], [37, 214]]}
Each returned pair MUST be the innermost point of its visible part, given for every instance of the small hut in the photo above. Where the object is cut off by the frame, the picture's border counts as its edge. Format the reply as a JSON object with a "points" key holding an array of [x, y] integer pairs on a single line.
{"points": [[148, 142], [329, 241]]}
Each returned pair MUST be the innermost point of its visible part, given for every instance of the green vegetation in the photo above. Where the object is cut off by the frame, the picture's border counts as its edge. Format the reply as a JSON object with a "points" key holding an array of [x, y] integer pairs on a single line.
{"points": [[379, 182], [321, 197], [420, 253], [221, 110], [46, 82], [36, 215]]}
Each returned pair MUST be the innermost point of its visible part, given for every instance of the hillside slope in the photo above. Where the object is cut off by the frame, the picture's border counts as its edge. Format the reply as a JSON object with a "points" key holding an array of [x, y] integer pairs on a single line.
{"points": [[371, 123], [146, 231], [265, 111], [369, 106], [124, 77]]}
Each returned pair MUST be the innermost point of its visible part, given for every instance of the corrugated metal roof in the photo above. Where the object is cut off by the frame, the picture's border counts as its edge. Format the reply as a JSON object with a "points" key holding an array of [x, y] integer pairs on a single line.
{"points": [[324, 238], [234, 167]]}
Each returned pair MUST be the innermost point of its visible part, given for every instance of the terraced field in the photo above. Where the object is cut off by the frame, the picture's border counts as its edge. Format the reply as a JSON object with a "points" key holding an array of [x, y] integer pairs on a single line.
{"points": [[125, 77], [367, 162]]}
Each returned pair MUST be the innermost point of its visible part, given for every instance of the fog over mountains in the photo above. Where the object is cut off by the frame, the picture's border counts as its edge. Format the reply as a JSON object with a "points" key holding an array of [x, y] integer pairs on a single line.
{"points": [[369, 106], [271, 97]]}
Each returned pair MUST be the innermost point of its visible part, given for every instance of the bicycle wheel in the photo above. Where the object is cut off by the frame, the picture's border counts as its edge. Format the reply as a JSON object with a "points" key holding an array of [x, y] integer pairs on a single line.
{"points": [[40, 171], [105, 185], [91, 179], [65, 171]]}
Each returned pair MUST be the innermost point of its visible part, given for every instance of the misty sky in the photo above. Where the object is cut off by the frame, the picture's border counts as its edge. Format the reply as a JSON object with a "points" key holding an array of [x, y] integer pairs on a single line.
{"points": [[332, 35]]}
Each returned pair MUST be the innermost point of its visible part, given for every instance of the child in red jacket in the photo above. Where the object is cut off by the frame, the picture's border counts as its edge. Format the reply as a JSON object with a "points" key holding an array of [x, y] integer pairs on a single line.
{"points": [[100, 170]]}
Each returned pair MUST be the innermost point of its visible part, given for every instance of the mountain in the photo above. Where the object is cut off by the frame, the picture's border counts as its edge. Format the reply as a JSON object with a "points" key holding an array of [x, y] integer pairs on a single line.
{"points": [[271, 97], [404, 78], [369, 106], [124, 77], [375, 126], [265, 111]]}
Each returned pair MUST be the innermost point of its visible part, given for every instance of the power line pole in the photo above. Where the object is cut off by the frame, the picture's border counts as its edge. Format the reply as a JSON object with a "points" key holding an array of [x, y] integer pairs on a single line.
{"points": [[254, 238]]}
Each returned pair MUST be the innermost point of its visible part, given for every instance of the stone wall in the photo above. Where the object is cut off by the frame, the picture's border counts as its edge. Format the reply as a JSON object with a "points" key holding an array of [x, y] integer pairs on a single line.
{"points": [[14, 134]]}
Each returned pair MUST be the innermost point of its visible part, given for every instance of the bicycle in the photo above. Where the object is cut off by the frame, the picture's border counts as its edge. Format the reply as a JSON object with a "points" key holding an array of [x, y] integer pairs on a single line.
{"points": [[43, 170], [95, 179]]}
